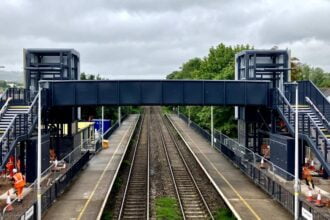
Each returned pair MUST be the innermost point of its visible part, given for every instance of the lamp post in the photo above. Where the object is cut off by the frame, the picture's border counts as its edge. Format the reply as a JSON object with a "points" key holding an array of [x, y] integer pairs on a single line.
{"points": [[296, 163], [102, 122], [39, 156], [212, 128]]}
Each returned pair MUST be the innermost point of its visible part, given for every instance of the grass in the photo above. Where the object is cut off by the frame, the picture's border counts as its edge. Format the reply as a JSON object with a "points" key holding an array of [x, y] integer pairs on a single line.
{"points": [[107, 215], [167, 208], [224, 214]]}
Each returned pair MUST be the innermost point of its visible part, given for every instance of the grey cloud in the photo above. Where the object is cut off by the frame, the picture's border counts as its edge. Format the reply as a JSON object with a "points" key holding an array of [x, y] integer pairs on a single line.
{"points": [[147, 38]]}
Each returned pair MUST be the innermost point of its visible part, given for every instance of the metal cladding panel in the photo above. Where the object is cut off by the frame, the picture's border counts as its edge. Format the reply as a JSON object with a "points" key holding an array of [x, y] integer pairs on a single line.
{"points": [[130, 93], [151, 92], [235, 93], [193, 93], [256, 93], [108, 93], [214, 93], [86, 93], [159, 92], [64, 94], [173, 92]]}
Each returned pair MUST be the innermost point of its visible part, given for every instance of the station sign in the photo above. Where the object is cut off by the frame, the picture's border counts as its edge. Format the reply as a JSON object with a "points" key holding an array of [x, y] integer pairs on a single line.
{"points": [[306, 214]]}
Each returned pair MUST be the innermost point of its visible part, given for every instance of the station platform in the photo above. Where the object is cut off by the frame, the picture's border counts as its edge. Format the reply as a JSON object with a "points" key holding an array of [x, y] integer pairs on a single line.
{"points": [[246, 199], [89, 192]]}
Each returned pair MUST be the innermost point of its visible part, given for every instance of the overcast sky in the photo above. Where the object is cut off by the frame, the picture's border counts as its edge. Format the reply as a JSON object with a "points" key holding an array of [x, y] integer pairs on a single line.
{"points": [[151, 38]]}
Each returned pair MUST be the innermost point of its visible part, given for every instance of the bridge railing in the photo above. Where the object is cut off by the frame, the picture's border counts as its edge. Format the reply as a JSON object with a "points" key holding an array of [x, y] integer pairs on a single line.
{"points": [[309, 89], [54, 181], [274, 180]]}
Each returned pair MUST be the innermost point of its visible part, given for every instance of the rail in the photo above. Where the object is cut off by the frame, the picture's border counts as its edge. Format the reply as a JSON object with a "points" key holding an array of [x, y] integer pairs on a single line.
{"points": [[121, 210], [309, 130], [5, 107], [186, 167], [308, 89], [172, 174], [273, 180], [20, 125], [324, 119], [18, 95]]}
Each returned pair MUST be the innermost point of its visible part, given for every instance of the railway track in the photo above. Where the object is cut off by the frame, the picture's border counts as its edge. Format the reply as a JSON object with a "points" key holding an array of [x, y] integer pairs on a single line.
{"points": [[191, 201], [135, 201]]}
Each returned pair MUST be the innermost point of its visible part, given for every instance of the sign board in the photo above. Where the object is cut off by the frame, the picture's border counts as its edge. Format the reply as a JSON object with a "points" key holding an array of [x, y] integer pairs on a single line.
{"points": [[306, 214], [29, 213]]}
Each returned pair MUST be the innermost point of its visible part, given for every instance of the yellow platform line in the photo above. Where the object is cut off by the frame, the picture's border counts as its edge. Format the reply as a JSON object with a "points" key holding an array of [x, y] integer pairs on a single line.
{"points": [[227, 182], [100, 179]]}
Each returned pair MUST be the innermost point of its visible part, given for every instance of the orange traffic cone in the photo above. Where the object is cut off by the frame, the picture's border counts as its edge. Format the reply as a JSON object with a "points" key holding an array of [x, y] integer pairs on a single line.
{"points": [[318, 202], [8, 201], [262, 163], [309, 196]]}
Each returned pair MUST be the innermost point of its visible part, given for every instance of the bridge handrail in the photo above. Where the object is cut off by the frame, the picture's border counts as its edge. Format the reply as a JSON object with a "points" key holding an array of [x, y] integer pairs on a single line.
{"points": [[309, 117], [324, 119], [4, 107]]}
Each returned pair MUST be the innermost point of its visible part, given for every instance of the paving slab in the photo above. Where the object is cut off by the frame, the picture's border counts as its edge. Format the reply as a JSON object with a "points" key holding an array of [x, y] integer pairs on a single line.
{"points": [[88, 193], [248, 200]]}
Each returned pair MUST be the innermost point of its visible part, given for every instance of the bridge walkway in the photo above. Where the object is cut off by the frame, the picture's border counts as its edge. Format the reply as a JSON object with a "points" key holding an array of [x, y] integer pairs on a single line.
{"points": [[88, 193], [248, 201]]}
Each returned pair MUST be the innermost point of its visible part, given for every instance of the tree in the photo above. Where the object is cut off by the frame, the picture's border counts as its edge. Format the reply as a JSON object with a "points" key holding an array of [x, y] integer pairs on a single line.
{"points": [[218, 64]]}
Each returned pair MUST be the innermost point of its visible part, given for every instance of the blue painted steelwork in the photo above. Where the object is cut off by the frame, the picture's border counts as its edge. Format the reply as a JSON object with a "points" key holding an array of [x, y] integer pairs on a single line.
{"points": [[159, 92]]}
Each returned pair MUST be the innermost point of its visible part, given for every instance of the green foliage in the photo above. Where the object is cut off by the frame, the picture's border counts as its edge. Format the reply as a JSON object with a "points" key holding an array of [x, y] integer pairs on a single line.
{"points": [[107, 215], [217, 65], [305, 72], [224, 214], [167, 208]]}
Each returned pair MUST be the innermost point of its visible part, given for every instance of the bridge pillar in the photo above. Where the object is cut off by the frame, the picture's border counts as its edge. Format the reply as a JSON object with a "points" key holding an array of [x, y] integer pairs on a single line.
{"points": [[119, 116], [212, 128], [189, 121]]}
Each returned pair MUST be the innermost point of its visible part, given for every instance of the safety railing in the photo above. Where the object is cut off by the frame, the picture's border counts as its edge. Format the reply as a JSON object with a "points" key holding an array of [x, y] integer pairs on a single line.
{"points": [[308, 128], [53, 182], [18, 95], [274, 180], [21, 125], [5, 107], [318, 112], [308, 89]]}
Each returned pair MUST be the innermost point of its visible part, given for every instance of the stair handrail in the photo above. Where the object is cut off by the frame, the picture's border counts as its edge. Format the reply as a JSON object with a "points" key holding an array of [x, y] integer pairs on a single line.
{"points": [[317, 127], [33, 103], [4, 107], [309, 101], [284, 98], [4, 94], [293, 111], [8, 128]]}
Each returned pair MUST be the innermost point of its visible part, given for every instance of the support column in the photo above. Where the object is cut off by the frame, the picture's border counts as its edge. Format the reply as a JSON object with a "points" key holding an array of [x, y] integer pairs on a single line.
{"points": [[119, 116], [102, 123], [212, 128], [189, 116], [39, 157], [178, 110], [296, 158]]}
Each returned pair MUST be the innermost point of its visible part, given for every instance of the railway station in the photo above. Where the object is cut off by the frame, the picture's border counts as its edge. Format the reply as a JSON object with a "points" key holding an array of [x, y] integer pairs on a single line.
{"points": [[276, 166]]}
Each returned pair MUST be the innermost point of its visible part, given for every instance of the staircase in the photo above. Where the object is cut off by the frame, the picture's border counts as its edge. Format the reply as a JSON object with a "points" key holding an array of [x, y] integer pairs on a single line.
{"points": [[16, 122], [313, 126]]}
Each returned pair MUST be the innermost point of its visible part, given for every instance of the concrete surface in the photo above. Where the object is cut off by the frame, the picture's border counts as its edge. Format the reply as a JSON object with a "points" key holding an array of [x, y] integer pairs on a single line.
{"points": [[89, 192], [249, 201]]}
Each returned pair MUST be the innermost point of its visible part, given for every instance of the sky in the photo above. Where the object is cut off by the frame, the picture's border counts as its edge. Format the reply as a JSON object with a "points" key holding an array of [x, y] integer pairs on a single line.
{"points": [[136, 39]]}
